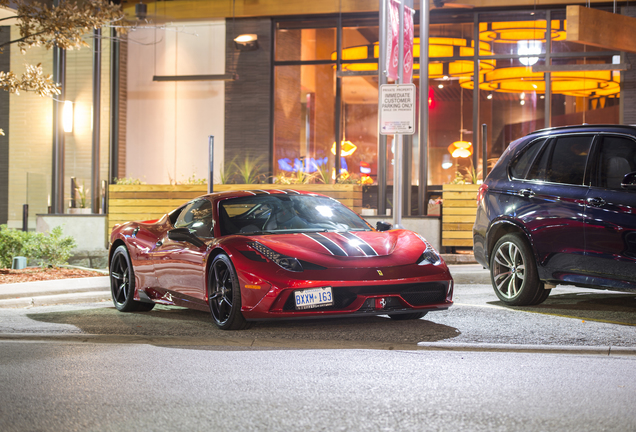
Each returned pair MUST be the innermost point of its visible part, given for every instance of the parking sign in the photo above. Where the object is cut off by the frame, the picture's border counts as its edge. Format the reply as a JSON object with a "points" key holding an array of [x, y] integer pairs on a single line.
{"points": [[397, 109]]}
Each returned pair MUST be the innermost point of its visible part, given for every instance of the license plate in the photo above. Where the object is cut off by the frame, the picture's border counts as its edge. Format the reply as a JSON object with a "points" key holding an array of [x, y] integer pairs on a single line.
{"points": [[313, 298]]}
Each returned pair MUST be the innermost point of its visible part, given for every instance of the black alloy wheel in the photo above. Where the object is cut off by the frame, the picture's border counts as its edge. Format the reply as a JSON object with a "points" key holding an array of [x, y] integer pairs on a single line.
{"points": [[513, 272], [224, 296], [122, 283]]}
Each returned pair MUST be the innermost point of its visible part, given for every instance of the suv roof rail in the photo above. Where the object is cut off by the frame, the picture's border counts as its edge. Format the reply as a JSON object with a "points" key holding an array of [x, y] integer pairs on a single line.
{"points": [[586, 126]]}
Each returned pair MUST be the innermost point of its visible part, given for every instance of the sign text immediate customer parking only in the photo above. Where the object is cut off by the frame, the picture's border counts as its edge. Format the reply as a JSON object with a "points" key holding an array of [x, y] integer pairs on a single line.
{"points": [[397, 109]]}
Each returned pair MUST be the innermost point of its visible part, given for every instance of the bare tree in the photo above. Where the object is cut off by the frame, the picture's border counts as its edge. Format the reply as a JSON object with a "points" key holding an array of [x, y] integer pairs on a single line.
{"points": [[62, 26]]}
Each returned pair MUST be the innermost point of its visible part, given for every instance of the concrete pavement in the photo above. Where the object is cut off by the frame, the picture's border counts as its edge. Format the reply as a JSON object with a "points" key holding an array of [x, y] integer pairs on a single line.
{"points": [[94, 289]]}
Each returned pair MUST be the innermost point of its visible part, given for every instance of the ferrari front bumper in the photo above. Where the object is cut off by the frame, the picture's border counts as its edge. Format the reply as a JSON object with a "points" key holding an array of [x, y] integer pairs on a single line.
{"points": [[395, 297]]}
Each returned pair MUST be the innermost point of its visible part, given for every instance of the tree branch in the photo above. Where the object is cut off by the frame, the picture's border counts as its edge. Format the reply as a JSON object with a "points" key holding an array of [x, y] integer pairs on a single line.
{"points": [[12, 17], [21, 39]]}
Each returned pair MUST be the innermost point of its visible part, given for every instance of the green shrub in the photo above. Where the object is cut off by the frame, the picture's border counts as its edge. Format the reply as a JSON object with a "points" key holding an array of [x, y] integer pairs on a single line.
{"points": [[12, 243], [52, 248], [128, 181]]}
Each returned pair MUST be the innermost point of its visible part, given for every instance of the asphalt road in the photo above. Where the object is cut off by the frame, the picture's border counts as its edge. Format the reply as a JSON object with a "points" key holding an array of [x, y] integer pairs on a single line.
{"points": [[89, 367], [138, 387]]}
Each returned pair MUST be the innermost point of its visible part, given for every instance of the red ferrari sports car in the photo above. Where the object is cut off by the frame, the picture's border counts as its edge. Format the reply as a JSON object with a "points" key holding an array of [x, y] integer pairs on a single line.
{"points": [[255, 255]]}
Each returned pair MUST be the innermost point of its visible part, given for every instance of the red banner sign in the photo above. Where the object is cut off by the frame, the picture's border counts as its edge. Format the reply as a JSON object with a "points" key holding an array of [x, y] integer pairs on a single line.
{"points": [[393, 42]]}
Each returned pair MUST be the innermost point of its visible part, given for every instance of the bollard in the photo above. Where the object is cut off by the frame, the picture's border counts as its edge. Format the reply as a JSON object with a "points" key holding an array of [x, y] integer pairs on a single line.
{"points": [[72, 203], [25, 217], [19, 263]]}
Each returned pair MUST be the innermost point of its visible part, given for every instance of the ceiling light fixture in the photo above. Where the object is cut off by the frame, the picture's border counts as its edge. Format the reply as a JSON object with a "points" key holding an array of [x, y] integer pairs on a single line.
{"points": [[571, 83], [438, 47]]}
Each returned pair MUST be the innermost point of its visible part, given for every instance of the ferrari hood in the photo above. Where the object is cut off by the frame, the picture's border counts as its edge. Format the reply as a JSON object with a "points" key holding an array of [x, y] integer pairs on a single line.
{"points": [[350, 244]]}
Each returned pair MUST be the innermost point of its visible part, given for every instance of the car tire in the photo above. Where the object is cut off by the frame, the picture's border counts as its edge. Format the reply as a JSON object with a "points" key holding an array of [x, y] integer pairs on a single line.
{"points": [[513, 272], [408, 316], [542, 295], [224, 295], [122, 283]]}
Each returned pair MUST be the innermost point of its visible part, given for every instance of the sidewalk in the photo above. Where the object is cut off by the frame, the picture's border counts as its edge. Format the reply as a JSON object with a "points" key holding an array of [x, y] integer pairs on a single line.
{"points": [[60, 291], [95, 289]]}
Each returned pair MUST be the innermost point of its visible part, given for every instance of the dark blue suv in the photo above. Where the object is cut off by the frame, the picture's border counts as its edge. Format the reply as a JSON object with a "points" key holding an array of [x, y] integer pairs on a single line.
{"points": [[559, 207]]}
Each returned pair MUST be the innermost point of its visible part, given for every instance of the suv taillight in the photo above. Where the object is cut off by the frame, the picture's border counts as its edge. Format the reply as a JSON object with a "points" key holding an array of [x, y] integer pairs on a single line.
{"points": [[481, 193]]}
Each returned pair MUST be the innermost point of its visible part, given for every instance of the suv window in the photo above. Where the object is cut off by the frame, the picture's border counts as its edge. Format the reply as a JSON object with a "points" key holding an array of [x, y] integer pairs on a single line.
{"points": [[617, 157], [520, 164], [563, 160], [197, 217]]}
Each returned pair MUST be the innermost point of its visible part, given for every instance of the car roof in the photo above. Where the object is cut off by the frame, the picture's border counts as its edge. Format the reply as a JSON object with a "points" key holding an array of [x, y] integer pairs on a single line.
{"points": [[588, 128], [255, 192]]}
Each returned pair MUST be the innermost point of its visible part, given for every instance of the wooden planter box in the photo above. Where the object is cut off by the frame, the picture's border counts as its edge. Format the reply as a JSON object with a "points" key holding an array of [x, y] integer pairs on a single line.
{"points": [[458, 214], [148, 202]]}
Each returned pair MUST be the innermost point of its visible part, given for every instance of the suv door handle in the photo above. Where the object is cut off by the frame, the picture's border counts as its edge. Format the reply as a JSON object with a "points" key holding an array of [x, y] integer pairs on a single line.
{"points": [[596, 202], [528, 193]]}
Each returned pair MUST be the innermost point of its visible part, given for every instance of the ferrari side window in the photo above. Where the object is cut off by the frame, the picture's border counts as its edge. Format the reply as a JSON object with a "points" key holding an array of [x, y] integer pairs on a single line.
{"points": [[197, 217]]}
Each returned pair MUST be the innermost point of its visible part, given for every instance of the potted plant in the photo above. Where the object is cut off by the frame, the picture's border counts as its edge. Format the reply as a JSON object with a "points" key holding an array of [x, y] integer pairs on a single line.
{"points": [[82, 199]]}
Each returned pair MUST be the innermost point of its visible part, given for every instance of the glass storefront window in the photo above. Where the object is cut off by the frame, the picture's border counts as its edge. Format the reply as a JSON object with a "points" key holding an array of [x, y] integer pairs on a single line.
{"points": [[519, 33], [585, 96], [305, 40], [360, 127], [512, 101], [304, 103], [360, 46], [450, 121], [512, 107]]}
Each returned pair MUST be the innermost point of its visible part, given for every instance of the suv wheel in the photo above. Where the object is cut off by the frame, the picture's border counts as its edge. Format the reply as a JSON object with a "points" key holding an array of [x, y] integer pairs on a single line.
{"points": [[513, 272]]}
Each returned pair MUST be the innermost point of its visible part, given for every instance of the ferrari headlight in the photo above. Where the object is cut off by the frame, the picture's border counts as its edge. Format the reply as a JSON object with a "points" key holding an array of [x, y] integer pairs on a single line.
{"points": [[288, 263], [429, 256]]}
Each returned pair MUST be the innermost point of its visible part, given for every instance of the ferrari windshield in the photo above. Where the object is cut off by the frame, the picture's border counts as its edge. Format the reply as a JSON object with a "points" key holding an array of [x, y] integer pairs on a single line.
{"points": [[278, 213]]}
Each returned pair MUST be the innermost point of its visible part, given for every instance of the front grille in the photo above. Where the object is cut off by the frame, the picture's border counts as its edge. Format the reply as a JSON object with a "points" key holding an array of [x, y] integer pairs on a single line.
{"points": [[417, 294], [423, 294]]}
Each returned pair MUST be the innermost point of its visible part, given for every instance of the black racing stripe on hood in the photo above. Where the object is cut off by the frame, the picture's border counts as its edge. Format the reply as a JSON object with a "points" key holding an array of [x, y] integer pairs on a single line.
{"points": [[328, 244], [363, 245]]}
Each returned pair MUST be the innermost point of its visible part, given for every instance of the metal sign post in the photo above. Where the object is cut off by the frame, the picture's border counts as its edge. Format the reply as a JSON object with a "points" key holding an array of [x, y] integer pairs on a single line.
{"points": [[484, 151], [397, 101], [211, 166]]}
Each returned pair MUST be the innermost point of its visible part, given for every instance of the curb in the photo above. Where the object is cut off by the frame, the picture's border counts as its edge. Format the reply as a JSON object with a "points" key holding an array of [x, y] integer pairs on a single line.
{"points": [[547, 349], [464, 274], [50, 300], [269, 343], [54, 287]]}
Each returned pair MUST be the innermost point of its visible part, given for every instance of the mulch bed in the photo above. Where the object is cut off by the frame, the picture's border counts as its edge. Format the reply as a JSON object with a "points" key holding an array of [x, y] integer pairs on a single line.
{"points": [[8, 276]]}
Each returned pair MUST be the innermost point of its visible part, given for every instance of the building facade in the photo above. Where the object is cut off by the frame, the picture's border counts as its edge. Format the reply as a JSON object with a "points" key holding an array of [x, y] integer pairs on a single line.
{"points": [[312, 81]]}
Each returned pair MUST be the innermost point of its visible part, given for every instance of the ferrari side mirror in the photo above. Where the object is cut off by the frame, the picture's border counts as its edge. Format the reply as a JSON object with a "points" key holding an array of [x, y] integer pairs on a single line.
{"points": [[183, 234], [383, 226]]}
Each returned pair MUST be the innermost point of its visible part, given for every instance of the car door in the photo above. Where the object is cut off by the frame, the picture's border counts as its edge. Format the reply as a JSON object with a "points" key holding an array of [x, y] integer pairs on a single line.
{"points": [[551, 204], [610, 230], [180, 264]]}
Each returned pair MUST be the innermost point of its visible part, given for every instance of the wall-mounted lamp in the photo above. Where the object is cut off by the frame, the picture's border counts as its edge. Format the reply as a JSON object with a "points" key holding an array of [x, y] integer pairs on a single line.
{"points": [[67, 116], [246, 42], [141, 11]]}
